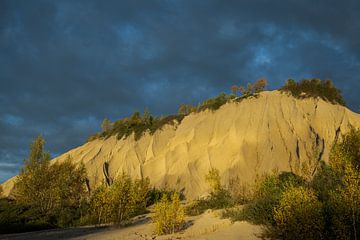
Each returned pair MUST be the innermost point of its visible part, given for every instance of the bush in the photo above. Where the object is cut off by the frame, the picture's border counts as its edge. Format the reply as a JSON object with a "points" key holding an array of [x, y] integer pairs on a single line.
{"points": [[169, 216], [215, 103], [120, 201], [314, 88], [266, 197], [241, 192], [155, 195], [299, 215], [219, 197]]}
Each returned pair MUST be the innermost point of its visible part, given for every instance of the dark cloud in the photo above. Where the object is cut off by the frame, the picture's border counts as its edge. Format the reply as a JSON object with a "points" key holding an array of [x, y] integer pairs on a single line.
{"points": [[65, 65]]}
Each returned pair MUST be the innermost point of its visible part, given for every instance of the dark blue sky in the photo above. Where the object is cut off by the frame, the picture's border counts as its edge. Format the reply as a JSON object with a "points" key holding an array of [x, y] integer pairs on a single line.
{"points": [[65, 65]]}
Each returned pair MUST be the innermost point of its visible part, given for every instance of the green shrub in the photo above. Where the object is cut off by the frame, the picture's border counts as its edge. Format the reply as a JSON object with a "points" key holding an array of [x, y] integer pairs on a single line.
{"points": [[314, 88], [299, 215]]}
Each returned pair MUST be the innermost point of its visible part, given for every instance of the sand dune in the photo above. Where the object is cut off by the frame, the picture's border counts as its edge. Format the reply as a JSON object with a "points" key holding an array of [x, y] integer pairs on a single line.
{"points": [[240, 139]]}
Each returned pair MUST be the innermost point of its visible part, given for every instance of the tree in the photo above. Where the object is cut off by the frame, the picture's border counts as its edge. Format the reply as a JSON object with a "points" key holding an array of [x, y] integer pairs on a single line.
{"points": [[100, 205], [68, 190], [54, 191], [259, 85], [136, 118], [147, 118], [33, 183], [106, 125], [234, 89], [1, 191]]}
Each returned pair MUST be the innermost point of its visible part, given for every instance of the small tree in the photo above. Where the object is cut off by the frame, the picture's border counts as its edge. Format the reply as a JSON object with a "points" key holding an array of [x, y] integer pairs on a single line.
{"points": [[147, 118], [135, 118], [100, 205], [169, 216], [33, 183], [259, 85], [213, 178], [106, 125], [122, 198]]}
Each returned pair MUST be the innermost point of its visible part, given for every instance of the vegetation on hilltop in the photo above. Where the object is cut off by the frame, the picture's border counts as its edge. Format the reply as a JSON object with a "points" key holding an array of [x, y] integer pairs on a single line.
{"points": [[314, 88], [138, 124]]}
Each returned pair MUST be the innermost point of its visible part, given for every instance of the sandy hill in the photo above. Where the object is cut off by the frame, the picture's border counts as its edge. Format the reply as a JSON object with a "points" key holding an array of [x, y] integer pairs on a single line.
{"points": [[241, 139]]}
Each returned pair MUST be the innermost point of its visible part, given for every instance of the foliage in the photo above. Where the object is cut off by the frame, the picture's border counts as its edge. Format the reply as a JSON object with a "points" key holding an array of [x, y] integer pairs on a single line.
{"points": [[100, 209], [1, 191], [155, 195], [250, 89], [345, 206], [241, 192], [346, 152], [186, 109], [120, 201], [106, 125], [314, 88], [219, 197], [32, 184], [299, 215], [267, 194], [17, 217], [213, 179], [169, 216], [326, 206], [136, 125], [215, 103], [54, 192]]}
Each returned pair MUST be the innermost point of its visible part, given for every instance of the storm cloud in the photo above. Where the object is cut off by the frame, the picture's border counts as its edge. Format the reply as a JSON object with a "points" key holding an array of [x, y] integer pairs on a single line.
{"points": [[66, 65]]}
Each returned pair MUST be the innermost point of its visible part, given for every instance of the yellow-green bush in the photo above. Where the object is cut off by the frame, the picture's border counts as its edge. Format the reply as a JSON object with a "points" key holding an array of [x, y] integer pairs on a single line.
{"points": [[266, 197], [169, 216], [299, 215], [120, 201]]}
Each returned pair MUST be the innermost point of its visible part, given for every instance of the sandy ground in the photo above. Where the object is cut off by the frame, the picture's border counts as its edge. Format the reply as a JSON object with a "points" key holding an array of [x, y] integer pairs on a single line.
{"points": [[205, 226]]}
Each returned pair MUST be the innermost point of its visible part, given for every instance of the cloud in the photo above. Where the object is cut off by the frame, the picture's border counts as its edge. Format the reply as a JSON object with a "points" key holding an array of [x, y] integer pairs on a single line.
{"points": [[65, 65]]}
